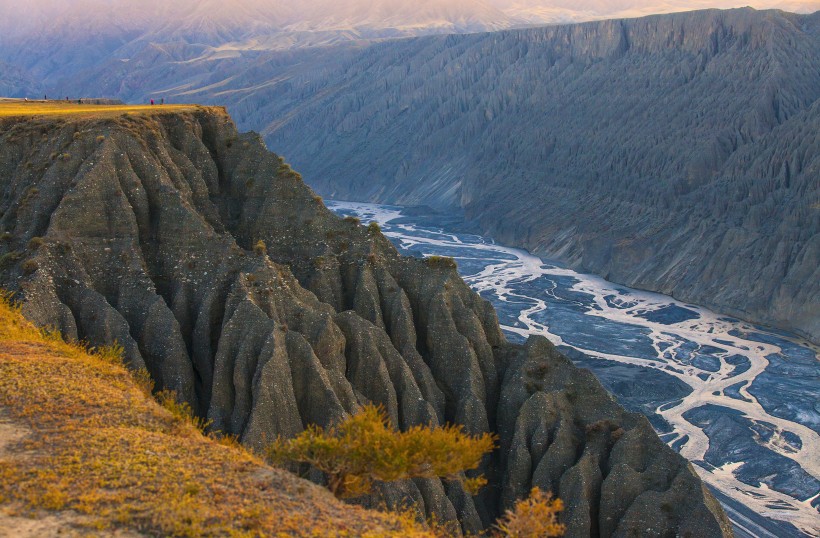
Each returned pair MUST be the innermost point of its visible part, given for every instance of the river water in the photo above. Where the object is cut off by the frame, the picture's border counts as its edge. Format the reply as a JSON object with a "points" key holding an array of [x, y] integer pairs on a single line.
{"points": [[739, 401]]}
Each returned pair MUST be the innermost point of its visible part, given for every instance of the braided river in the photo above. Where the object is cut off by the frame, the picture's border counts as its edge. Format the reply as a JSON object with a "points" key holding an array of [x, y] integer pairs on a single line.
{"points": [[740, 401]]}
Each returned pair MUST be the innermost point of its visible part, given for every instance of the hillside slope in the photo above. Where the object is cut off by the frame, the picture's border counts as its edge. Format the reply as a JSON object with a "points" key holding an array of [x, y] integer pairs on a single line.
{"points": [[675, 153], [82, 438], [216, 268]]}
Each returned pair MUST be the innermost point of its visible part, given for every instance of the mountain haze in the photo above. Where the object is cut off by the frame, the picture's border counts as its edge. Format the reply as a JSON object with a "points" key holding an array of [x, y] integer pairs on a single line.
{"points": [[56, 39], [320, 15], [52, 40], [552, 11], [210, 20]]}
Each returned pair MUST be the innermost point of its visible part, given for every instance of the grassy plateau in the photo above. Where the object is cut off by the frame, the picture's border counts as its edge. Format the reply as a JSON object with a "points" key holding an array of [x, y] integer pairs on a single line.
{"points": [[16, 108]]}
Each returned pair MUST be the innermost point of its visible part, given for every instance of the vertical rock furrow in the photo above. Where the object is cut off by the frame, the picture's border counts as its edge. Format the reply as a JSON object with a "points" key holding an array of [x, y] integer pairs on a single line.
{"points": [[367, 367], [314, 387], [246, 332], [455, 364], [379, 372], [325, 281], [398, 318], [366, 296], [205, 338]]}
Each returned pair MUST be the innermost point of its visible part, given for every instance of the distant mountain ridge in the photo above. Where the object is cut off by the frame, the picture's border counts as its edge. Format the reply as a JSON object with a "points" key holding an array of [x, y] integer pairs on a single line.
{"points": [[555, 11], [54, 40], [211, 18]]}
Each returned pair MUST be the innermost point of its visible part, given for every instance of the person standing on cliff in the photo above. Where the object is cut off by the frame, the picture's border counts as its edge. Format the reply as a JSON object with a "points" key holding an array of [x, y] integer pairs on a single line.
{"points": [[152, 102]]}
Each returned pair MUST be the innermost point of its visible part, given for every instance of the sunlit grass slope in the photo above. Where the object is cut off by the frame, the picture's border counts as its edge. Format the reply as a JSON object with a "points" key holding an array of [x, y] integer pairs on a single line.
{"points": [[14, 108], [93, 443]]}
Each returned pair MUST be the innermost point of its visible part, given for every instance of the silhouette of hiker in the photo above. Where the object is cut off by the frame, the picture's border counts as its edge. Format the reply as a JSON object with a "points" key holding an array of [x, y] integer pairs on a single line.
{"points": [[152, 102], [162, 101]]}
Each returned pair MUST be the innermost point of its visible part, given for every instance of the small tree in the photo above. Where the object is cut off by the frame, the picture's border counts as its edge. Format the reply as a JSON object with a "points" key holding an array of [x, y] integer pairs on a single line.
{"points": [[536, 517], [365, 448]]}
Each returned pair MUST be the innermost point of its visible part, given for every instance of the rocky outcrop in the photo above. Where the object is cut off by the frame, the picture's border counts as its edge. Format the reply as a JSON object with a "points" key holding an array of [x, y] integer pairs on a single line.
{"points": [[674, 153], [215, 267]]}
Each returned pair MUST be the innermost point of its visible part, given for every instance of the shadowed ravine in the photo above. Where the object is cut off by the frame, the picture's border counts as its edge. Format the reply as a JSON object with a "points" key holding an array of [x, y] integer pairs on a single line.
{"points": [[145, 230]]}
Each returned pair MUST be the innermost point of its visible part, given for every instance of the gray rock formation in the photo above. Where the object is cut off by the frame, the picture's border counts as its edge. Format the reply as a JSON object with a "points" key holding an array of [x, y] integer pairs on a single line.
{"points": [[145, 230], [675, 153]]}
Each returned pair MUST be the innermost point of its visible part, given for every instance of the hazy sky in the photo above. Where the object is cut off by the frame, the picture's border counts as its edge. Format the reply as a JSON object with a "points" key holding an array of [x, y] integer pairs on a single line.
{"points": [[33, 15]]}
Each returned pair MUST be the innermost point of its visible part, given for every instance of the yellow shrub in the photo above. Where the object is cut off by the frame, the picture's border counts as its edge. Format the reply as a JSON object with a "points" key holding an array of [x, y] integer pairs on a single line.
{"points": [[536, 517], [365, 448]]}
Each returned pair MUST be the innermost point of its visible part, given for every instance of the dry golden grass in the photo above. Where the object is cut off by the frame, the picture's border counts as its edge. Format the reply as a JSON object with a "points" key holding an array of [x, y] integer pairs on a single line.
{"points": [[99, 446], [72, 108]]}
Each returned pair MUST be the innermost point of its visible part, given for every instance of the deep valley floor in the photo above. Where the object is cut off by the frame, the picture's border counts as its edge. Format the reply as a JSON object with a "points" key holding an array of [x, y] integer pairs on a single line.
{"points": [[738, 400]]}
